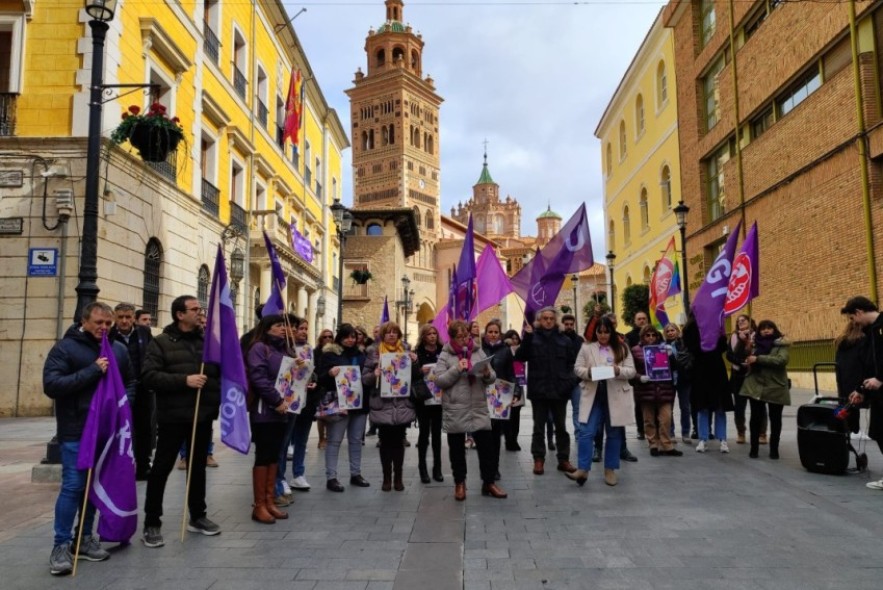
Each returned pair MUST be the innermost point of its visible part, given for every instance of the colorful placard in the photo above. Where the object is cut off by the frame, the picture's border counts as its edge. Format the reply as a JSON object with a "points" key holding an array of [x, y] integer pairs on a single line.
{"points": [[499, 399], [656, 362], [349, 387], [395, 374]]}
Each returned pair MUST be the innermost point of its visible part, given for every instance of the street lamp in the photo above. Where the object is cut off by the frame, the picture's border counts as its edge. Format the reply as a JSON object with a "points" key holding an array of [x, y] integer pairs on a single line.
{"points": [[681, 214], [406, 303], [574, 280], [611, 258], [101, 12], [344, 220]]}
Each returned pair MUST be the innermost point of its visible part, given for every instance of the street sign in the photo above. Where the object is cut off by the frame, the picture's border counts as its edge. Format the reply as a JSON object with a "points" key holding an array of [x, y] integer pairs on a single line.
{"points": [[12, 225], [42, 262]]}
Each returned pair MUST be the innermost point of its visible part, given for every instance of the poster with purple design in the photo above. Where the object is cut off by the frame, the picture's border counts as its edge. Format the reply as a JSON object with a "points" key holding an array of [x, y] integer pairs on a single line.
{"points": [[499, 399], [656, 362], [349, 387], [436, 399], [292, 380], [395, 374]]}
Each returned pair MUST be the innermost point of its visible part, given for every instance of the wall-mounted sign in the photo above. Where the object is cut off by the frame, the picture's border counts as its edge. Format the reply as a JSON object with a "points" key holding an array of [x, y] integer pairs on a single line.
{"points": [[11, 178], [12, 226], [42, 262]]}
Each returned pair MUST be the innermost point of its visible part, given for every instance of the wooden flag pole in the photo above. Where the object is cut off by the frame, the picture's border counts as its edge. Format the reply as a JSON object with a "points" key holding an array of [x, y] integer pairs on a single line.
{"points": [[82, 520], [190, 455], [289, 337]]}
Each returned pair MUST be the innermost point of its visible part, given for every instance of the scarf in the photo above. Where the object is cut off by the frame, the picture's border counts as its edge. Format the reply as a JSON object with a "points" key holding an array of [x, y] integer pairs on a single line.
{"points": [[383, 348], [763, 344]]}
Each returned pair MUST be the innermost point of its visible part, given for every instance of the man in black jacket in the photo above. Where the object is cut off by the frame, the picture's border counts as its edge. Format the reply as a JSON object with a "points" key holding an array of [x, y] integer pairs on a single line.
{"points": [[136, 338], [173, 369], [550, 356], [70, 377]]}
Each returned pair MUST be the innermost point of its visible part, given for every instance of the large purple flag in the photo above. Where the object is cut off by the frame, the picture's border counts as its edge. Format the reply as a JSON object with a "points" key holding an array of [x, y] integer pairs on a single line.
{"points": [[465, 285], [275, 303], [301, 244], [441, 324], [222, 349], [493, 284], [708, 305], [536, 296], [569, 251], [744, 282], [106, 447], [384, 315]]}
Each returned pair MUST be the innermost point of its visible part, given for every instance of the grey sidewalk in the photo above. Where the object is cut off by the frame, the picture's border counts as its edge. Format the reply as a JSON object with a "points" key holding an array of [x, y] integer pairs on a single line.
{"points": [[697, 522]]}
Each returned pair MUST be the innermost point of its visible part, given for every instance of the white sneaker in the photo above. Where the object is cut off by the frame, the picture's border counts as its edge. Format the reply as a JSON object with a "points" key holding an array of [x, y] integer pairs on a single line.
{"points": [[300, 483], [725, 448], [290, 453], [700, 448], [875, 485], [286, 489]]}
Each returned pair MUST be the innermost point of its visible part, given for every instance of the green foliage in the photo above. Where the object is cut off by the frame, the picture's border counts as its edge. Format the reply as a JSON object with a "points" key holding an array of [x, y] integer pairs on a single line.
{"points": [[634, 299], [589, 307], [361, 275], [566, 309], [155, 117]]}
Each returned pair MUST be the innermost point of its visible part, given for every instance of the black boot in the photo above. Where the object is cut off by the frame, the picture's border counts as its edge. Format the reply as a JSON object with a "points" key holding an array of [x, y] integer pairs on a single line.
{"points": [[437, 463], [774, 447], [754, 438], [421, 465], [398, 461], [386, 465]]}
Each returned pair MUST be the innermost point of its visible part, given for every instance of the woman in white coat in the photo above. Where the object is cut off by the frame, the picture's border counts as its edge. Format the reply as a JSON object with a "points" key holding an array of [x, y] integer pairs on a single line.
{"points": [[605, 403]]}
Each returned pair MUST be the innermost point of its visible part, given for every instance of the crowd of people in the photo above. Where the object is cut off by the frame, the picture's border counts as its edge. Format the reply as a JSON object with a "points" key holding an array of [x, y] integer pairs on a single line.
{"points": [[610, 379]]}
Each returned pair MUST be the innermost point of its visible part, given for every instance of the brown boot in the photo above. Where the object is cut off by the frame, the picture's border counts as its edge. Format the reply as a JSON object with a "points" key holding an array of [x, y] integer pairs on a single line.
{"points": [[566, 467], [460, 491], [538, 463], [259, 486], [493, 490], [271, 493]]}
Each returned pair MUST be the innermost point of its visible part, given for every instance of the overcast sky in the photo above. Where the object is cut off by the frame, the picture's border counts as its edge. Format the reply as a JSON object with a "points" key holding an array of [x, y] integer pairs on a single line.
{"points": [[533, 78]]}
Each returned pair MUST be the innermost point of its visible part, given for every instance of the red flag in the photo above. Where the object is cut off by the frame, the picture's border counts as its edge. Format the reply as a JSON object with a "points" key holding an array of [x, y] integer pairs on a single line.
{"points": [[294, 108]]}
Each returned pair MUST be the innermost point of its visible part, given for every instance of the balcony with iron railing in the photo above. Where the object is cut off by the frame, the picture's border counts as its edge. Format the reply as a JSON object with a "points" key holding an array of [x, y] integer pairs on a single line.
{"points": [[211, 45], [168, 167], [238, 217], [263, 113], [211, 198], [8, 103], [240, 83]]}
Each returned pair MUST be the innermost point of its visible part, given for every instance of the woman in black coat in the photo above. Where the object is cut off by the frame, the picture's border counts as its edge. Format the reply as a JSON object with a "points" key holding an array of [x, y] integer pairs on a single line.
{"points": [[501, 353], [429, 415], [850, 358], [710, 392]]}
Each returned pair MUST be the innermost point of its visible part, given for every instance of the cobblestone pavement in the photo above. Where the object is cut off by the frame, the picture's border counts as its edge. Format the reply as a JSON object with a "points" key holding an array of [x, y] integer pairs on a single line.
{"points": [[701, 522]]}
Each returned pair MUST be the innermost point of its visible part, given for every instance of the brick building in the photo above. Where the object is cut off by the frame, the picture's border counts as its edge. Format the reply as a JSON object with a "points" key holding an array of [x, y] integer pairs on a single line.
{"points": [[773, 127]]}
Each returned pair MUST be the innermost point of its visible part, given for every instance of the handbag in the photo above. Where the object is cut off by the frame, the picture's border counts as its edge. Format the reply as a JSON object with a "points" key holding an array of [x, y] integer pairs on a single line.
{"points": [[329, 408], [420, 391]]}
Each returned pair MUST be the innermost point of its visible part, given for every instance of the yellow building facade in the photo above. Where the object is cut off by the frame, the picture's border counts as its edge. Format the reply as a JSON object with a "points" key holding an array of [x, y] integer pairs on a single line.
{"points": [[222, 68], [639, 153]]}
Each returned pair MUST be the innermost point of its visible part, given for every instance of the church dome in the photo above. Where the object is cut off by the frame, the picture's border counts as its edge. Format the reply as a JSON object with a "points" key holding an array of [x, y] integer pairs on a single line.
{"points": [[548, 214], [391, 26]]}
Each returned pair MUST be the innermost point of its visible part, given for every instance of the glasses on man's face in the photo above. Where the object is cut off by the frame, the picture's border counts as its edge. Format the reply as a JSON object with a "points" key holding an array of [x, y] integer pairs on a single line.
{"points": [[194, 309]]}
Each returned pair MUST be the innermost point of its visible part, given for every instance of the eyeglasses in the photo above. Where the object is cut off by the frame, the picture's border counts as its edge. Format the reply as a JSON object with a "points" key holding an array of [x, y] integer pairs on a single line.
{"points": [[327, 337], [196, 309]]}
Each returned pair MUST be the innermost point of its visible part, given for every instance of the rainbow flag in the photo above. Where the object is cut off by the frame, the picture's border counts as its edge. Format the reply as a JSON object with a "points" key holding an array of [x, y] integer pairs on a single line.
{"points": [[660, 285]]}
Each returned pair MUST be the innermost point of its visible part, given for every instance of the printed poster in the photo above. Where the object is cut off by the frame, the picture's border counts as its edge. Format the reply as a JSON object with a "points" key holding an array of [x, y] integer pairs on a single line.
{"points": [[499, 399], [656, 362], [429, 379], [349, 387], [395, 374], [292, 380]]}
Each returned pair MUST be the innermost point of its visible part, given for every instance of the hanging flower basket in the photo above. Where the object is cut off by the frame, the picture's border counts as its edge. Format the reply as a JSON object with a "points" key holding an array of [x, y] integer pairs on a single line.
{"points": [[154, 134], [361, 276]]}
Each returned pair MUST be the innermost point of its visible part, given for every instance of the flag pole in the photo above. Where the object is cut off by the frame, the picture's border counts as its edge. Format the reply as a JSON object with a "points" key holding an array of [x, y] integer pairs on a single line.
{"points": [[190, 455], [289, 338], [82, 520]]}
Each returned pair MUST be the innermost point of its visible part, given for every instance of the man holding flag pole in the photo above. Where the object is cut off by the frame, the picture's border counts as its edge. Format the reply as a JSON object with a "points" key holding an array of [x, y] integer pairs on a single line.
{"points": [[72, 374]]}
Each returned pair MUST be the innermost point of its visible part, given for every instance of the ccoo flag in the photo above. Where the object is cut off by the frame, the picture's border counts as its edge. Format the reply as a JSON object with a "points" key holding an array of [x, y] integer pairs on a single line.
{"points": [[744, 282], [708, 306], [275, 303], [106, 447], [222, 349]]}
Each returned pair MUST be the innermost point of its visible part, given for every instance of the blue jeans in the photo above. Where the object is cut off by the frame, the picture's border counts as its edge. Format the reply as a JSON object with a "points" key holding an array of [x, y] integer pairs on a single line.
{"points": [[574, 406], [599, 418], [353, 426], [684, 406], [720, 424], [70, 498], [297, 435]]}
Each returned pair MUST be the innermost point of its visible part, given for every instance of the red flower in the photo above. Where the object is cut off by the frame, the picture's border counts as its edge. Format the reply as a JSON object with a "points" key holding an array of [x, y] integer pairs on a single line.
{"points": [[125, 116], [176, 120], [134, 109]]}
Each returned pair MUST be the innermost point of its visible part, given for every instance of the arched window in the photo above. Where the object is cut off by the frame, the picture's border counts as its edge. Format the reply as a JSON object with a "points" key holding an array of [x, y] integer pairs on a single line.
{"points": [[665, 183], [417, 216], [611, 236], [392, 134], [609, 159], [661, 85], [364, 140], [381, 57], [203, 280], [639, 115], [398, 54], [371, 139], [622, 144], [626, 230], [646, 275], [415, 60], [645, 212], [430, 223], [384, 135], [430, 144], [152, 266], [374, 229]]}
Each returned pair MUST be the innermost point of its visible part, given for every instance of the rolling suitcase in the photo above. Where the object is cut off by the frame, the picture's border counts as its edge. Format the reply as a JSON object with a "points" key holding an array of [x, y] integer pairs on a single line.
{"points": [[822, 439]]}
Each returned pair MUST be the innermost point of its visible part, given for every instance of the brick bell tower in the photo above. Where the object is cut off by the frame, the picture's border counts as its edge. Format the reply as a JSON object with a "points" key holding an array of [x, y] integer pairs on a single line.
{"points": [[394, 112]]}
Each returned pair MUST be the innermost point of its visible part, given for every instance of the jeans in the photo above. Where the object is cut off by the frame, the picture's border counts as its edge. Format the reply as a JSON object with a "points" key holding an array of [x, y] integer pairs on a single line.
{"points": [[70, 497], [541, 409], [488, 461], [297, 434], [574, 408], [599, 418], [684, 407], [170, 437], [720, 424], [353, 425]]}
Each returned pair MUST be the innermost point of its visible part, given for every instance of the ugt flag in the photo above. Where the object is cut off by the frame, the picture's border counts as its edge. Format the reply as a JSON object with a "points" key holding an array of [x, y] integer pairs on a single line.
{"points": [[744, 283], [222, 349], [275, 303], [106, 447], [708, 305]]}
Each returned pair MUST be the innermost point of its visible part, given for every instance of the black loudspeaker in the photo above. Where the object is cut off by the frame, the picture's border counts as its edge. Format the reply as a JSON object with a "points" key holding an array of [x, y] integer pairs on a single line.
{"points": [[822, 439]]}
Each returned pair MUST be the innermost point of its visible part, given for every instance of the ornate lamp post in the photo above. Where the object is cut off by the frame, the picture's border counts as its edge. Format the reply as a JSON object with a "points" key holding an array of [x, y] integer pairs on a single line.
{"points": [[344, 220], [406, 304], [611, 258], [681, 214], [574, 280]]}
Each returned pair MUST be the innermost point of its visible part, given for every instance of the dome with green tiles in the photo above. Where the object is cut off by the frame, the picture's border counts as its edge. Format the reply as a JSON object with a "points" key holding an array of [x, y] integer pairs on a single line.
{"points": [[548, 214], [391, 26]]}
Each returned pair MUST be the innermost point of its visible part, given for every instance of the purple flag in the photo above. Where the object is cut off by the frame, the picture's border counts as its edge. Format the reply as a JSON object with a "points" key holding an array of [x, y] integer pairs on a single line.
{"points": [[536, 296], [275, 303], [222, 349], [301, 244], [744, 282], [465, 289], [708, 305], [106, 447], [569, 251], [384, 315], [493, 284], [452, 295], [441, 324]]}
